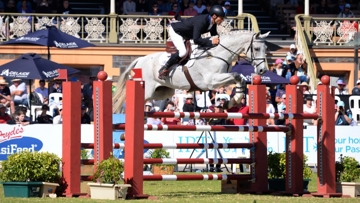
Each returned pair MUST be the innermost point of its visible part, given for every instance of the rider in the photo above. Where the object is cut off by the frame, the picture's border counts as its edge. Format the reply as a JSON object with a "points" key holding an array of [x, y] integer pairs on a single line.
{"points": [[193, 28]]}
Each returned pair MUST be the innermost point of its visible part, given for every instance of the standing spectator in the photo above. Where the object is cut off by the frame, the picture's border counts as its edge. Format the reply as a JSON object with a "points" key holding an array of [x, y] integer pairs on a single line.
{"points": [[4, 117], [340, 90], [129, 6], [230, 12], [190, 11], [199, 7], [356, 89], [5, 96], [43, 91], [19, 92], [85, 118], [65, 8], [44, 117], [58, 119]]}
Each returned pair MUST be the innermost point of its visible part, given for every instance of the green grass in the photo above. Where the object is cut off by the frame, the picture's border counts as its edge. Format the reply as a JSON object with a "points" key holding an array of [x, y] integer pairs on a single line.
{"points": [[193, 191]]}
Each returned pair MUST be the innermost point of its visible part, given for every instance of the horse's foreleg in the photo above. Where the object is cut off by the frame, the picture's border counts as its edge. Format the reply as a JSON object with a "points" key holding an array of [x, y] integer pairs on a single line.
{"points": [[227, 79]]}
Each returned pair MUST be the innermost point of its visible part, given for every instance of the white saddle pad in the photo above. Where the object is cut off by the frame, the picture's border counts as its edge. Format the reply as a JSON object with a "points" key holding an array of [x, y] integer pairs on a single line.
{"points": [[195, 53]]}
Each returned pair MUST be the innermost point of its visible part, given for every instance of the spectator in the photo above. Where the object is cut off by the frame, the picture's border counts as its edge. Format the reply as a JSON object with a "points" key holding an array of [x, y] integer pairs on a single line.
{"points": [[279, 67], [305, 88], [65, 8], [170, 121], [85, 118], [356, 89], [58, 119], [342, 116], [56, 87], [142, 6], [155, 11], [4, 117], [129, 6], [184, 5], [87, 92], [279, 93], [309, 108], [167, 7], [175, 10], [10, 8], [217, 121], [301, 68], [43, 7], [269, 109], [24, 7], [190, 11], [230, 12], [300, 7], [43, 91], [199, 7], [281, 108], [323, 8], [5, 96], [340, 90], [151, 120], [207, 10], [289, 67], [19, 118], [218, 2], [293, 52], [346, 13], [339, 8], [238, 108], [19, 92], [44, 117], [24, 109]]}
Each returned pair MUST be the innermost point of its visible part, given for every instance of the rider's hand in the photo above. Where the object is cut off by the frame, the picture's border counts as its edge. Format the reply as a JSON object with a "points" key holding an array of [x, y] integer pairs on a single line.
{"points": [[215, 41]]}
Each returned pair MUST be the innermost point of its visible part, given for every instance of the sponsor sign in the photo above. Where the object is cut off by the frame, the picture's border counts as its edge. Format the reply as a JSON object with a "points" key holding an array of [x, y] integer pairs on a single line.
{"points": [[67, 45], [14, 74], [51, 74], [32, 39], [44, 137]]}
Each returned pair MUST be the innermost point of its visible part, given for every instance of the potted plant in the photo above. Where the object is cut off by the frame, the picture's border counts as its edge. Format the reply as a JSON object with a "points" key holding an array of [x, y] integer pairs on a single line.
{"points": [[108, 181], [30, 174], [277, 171], [347, 172], [161, 169]]}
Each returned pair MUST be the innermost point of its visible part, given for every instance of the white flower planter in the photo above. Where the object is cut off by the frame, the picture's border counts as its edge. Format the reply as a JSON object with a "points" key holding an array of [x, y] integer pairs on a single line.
{"points": [[47, 189], [108, 191], [348, 188]]}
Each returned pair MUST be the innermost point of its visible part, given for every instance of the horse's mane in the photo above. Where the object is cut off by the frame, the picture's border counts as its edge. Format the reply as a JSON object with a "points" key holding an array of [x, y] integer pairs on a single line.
{"points": [[237, 31]]}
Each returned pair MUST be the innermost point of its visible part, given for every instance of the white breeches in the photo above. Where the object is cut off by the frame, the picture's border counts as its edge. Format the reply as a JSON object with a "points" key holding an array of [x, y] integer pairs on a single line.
{"points": [[178, 41]]}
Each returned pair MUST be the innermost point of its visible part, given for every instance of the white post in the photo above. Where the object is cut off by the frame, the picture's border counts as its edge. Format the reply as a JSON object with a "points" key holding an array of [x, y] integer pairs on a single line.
{"points": [[306, 7], [112, 6], [240, 7]]}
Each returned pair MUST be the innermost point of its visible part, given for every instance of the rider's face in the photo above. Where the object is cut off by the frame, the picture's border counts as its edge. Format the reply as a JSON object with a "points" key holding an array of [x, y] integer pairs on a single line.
{"points": [[217, 19]]}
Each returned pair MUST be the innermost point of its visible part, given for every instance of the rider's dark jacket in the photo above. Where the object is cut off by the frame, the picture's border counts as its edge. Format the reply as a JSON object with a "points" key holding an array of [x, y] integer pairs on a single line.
{"points": [[193, 28]]}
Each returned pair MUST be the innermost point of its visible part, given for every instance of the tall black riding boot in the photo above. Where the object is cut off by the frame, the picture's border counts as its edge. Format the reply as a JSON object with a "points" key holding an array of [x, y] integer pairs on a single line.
{"points": [[164, 71]]}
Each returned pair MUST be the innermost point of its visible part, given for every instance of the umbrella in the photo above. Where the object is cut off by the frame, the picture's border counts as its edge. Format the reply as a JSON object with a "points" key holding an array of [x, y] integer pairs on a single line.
{"points": [[245, 69], [32, 66], [51, 37]]}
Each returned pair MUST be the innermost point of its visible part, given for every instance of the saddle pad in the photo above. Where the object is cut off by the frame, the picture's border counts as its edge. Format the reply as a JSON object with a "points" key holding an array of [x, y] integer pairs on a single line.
{"points": [[195, 53]]}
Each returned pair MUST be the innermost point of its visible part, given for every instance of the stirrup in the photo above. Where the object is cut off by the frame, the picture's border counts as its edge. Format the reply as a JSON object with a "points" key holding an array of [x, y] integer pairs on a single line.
{"points": [[163, 74]]}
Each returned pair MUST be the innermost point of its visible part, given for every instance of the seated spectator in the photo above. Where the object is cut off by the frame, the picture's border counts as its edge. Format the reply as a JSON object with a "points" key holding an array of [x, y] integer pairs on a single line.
{"points": [[339, 8], [279, 93], [301, 68], [230, 12], [279, 67], [129, 6], [10, 8], [170, 121], [19, 92], [190, 11], [323, 8], [309, 108], [25, 7], [340, 89], [238, 108], [142, 6], [44, 117], [43, 7], [151, 120], [58, 119], [155, 11], [269, 109], [19, 118], [85, 118], [356, 89], [293, 52], [4, 117], [65, 8], [175, 10], [207, 9], [184, 4], [56, 87], [24, 109], [188, 106], [342, 116], [289, 67], [43, 91], [305, 88], [346, 13], [199, 7], [5, 96]]}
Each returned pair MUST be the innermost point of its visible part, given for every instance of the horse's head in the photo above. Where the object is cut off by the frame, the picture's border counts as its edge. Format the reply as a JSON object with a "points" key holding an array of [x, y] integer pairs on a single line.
{"points": [[256, 52]]}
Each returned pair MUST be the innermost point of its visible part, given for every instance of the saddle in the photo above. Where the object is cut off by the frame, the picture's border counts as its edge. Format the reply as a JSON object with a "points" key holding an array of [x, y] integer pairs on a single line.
{"points": [[170, 48]]}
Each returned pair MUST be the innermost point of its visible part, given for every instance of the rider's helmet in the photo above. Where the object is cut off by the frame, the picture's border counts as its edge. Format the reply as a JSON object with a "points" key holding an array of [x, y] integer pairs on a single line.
{"points": [[218, 11]]}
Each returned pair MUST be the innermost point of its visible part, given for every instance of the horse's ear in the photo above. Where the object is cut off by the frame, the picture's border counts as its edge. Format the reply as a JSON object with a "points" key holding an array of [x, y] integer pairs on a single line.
{"points": [[264, 35]]}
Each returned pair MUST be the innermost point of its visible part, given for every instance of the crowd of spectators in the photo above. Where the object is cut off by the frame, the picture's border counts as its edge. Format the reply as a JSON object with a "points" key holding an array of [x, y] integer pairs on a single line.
{"points": [[15, 102], [36, 6]]}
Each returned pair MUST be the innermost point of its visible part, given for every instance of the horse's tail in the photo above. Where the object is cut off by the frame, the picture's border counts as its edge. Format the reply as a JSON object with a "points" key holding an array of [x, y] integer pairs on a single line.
{"points": [[120, 93]]}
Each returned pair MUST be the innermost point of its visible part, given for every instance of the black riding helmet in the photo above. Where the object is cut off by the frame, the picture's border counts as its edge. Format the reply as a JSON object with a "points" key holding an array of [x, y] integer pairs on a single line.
{"points": [[218, 11]]}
